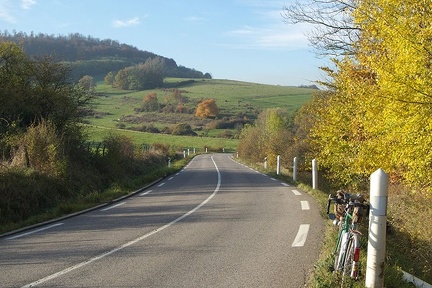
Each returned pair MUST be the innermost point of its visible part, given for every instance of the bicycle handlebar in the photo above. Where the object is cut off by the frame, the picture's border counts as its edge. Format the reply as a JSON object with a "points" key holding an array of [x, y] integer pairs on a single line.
{"points": [[351, 201]]}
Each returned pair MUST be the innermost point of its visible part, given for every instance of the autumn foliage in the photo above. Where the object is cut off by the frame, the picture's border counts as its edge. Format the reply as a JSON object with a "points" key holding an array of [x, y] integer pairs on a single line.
{"points": [[207, 109]]}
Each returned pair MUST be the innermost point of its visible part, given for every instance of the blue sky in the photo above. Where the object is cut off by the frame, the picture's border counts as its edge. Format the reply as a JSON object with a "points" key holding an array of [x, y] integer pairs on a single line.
{"points": [[243, 40]]}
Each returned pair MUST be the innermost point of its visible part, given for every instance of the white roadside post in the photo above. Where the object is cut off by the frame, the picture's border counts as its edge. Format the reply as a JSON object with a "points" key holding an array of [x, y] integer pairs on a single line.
{"points": [[295, 169], [314, 174], [184, 153], [188, 152], [265, 163], [278, 165], [377, 229]]}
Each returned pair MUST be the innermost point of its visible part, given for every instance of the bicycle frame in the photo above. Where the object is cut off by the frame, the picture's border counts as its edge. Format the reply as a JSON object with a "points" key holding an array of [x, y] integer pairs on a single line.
{"points": [[347, 250]]}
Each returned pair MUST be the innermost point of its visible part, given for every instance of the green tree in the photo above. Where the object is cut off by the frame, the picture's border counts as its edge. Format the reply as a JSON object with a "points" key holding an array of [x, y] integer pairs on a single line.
{"points": [[34, 90], [109, 78], [87, 83]]}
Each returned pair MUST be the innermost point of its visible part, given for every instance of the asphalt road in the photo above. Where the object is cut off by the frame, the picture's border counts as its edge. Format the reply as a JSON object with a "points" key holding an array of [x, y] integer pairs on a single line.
{"points": [[216, 223]]}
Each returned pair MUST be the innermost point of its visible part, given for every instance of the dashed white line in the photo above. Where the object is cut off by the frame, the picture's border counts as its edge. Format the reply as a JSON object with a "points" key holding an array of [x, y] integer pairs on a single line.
{"points": [[160, 185], [296, 192], [114, 206], [34, 231], [273, 179], [170, 178], [285, 184], [301, 237], [305, 205]]}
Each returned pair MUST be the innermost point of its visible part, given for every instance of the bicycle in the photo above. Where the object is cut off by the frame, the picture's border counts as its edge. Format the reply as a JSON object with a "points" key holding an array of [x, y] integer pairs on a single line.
{"points": [[349, 211]]}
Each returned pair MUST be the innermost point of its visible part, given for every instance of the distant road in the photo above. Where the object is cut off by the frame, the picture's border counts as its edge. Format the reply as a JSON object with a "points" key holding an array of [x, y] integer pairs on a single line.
{"points": [[216, 223]]}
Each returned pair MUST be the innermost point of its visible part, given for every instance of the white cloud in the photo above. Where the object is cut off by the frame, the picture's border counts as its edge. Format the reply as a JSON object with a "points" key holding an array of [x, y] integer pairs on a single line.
{"points": [[27, 4], [6, 14], [9, 9], [126, 23]]}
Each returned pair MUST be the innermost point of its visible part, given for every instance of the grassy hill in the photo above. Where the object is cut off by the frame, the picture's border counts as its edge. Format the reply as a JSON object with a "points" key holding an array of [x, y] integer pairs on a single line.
{"points": [[239, 102]]}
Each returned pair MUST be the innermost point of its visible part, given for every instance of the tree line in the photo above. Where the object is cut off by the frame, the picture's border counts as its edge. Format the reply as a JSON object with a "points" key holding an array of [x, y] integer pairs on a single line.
{"points": [[375, 111], [88, 55]]}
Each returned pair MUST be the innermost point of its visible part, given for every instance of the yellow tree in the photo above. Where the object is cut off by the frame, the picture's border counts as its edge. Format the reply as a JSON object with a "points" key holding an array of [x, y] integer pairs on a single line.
{"points": [[396, 45], [207, 109]]}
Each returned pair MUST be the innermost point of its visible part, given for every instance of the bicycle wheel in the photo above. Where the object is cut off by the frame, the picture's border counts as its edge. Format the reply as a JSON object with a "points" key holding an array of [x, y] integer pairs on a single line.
{"points": [[351, 265]]}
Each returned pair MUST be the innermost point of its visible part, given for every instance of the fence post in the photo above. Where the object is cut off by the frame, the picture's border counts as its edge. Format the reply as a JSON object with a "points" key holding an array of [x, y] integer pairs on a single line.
{"points": [[377, 229], [314, 174], [295, 169], [278, 165]]}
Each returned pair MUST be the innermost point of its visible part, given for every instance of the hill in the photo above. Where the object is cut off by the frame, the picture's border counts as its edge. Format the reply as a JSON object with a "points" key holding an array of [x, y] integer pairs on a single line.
{"points": [[239, 104], [92, 56]]}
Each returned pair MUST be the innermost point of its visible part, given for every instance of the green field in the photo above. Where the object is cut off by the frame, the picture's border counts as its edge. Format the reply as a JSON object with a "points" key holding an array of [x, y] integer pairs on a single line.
{"points": [[114, 108]]}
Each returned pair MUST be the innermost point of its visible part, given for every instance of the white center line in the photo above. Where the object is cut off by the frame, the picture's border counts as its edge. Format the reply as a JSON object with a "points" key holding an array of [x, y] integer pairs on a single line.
{"points": [[34, 231], [111, 207], [305, 205], [296, 192], [301, 237], [100, 256]]}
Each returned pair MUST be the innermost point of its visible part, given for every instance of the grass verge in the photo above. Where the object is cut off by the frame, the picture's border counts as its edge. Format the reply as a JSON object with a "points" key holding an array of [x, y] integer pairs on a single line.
{"points": [[96, 198]]}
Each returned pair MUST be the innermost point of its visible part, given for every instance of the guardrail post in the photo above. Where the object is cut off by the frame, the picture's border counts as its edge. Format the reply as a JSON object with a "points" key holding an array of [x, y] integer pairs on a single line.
{"points": [[377, 229], [278, 165], [295, 169], [314, 174]]}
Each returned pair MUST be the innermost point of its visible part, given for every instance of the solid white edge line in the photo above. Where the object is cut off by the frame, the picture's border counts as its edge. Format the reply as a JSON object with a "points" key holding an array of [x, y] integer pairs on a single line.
{"points": [[34, 231], [301, 236], [145, 193], [113, 206], [84, 263]]}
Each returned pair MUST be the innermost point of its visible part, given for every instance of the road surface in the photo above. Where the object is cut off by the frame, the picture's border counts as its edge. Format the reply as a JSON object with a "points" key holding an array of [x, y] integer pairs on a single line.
{"points": [[216, 223]]}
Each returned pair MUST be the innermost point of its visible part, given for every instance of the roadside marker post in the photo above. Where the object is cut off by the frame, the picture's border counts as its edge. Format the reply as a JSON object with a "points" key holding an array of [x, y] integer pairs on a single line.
{"points": [[377, 229]]}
